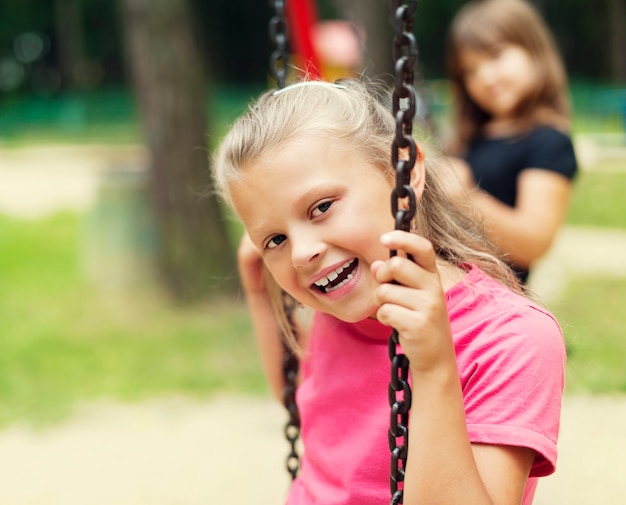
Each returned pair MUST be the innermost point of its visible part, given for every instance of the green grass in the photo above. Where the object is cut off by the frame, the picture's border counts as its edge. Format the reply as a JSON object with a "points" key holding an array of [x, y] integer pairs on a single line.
{"points": [[63, 342], [593, 320], [591, 308], [598, 197]]}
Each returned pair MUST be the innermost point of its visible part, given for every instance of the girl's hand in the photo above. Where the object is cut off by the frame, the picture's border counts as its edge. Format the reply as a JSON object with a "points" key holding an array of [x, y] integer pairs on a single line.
{"points": [[416, 305], [251, 267]]}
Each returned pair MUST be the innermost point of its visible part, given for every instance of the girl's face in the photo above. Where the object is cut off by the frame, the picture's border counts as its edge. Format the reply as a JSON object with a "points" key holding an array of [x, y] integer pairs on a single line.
{"points": [[316, 211], [498, 80]]}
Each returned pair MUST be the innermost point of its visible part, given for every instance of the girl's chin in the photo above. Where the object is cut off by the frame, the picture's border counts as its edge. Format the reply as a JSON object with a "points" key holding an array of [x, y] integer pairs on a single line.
{"points": [[355, 317]]}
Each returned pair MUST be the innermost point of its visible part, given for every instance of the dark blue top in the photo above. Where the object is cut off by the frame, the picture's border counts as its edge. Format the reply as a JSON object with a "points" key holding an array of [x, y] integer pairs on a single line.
{"points": [[496, 163]]}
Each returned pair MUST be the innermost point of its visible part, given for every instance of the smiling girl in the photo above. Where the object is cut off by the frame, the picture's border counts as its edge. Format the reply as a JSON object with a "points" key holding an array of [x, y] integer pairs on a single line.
{"points": [[511, 125], [307, 170]]}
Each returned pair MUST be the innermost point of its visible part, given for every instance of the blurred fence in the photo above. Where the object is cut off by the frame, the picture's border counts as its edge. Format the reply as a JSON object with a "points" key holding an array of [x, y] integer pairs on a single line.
{"points": [[110, 115], [599, 107], [69, 114], [97, 115]]}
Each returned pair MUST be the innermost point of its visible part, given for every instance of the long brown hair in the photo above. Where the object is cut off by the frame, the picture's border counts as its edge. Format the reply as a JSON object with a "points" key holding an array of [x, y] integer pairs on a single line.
{"points": [[482, 25]]}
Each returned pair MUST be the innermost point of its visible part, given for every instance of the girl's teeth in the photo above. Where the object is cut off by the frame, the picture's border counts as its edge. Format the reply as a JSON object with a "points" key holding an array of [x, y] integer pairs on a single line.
{"points": [[340, 284], [332, 276]]}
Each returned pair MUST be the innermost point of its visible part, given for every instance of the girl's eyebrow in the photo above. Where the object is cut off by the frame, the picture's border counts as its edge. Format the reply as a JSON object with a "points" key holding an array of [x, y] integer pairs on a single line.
{"points": [[316, 191]]}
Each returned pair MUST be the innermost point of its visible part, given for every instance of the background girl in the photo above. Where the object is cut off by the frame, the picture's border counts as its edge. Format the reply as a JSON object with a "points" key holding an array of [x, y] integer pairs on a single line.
{"points": [[511, 125], [307, 169]]}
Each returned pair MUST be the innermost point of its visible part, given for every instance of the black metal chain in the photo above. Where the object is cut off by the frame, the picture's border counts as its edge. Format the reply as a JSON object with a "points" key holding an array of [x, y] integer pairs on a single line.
{"points": [[279, 61], [291, 366], [403, 207]]}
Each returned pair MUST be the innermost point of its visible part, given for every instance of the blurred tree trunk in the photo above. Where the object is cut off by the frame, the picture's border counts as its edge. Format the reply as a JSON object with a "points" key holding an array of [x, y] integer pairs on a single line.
{"points": [[617, 24], [69, 35], [195, 255]]}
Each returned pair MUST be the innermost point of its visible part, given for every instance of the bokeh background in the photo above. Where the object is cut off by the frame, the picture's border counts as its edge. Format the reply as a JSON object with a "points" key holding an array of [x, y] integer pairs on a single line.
{"points": [[118, 286]]}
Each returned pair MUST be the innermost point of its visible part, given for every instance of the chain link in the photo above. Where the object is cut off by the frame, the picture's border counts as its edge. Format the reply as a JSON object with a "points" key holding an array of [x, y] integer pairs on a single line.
{"points": [[403, 207], [291, 366], [279, 59]]}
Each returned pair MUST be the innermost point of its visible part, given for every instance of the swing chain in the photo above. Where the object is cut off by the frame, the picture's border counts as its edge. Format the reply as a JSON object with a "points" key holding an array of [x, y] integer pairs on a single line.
{"points": [[404, 110], [279, 59], [291, 366]]}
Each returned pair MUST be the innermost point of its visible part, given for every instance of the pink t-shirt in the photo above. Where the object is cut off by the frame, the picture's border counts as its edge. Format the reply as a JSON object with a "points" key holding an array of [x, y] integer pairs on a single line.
{"points": [[510, 356]]}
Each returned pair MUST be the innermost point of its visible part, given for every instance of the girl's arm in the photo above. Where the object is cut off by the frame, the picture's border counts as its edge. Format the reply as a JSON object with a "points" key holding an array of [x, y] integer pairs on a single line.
{"points": [[264, 321], [443, 467], [524, 232]]}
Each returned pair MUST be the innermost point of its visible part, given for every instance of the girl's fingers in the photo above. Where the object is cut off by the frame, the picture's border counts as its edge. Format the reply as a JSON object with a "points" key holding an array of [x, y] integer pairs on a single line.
{"points": [[400, 270], [420, 316], [397, 294], [410, 298], [418, 247], [419, 271]]}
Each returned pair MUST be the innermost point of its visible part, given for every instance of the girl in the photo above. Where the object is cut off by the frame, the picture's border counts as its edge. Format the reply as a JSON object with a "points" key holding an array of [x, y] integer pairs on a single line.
{"points": [[307, 171], [510, 101]]}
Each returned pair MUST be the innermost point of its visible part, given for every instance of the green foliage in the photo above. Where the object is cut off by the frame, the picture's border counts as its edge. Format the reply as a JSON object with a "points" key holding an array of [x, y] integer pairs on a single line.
{"points": [[110, 116], [598, 198], [593, 320], [63, 342]]}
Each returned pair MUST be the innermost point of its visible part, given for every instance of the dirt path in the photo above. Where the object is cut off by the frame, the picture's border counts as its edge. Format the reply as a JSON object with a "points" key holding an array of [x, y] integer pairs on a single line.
{"points": [[229, 451], [165, 452], [39, 180]]}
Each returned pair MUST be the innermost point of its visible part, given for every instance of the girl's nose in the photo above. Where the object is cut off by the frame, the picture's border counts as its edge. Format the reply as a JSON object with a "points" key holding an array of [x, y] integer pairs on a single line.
{"points": [[305, 249]]}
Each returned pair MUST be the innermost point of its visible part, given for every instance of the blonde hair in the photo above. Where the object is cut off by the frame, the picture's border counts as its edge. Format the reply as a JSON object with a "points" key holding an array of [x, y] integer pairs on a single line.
{"points": [[353, 112], [482, 25]]}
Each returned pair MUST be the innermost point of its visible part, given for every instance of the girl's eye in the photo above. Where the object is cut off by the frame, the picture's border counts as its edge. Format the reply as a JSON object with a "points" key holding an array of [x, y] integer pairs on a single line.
{"points": [[275, 241], [319, 209]]}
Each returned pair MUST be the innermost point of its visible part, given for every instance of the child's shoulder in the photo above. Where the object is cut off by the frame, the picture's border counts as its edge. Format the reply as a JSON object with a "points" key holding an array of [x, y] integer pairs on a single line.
{"points": [[480, 297], [487, 315], [547, 133], [551, 148]]}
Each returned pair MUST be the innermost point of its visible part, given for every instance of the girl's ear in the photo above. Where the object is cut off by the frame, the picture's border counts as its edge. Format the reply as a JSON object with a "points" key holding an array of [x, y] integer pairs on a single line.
{"points": [[418, 174]]}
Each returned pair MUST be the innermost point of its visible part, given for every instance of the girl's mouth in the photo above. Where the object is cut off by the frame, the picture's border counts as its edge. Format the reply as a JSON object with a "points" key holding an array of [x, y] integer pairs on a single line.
{"points": [[338, 277]]}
